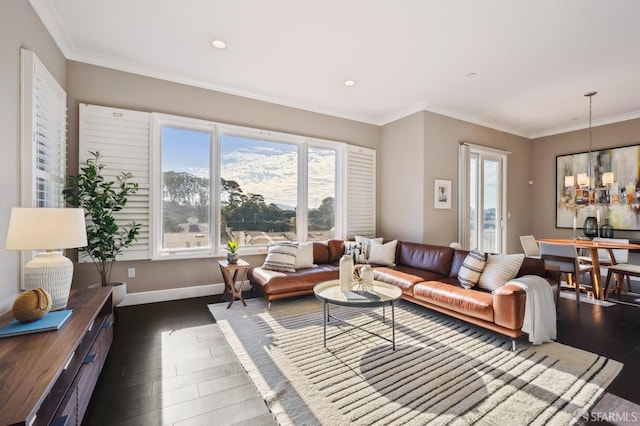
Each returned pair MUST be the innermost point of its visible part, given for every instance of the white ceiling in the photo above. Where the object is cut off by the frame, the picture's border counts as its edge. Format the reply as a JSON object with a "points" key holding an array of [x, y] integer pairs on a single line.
{"points": [[533, 59]]}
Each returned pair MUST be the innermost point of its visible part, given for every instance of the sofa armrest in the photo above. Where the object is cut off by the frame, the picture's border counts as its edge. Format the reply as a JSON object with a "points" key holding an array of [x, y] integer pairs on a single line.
{"points": [[508, 306]]}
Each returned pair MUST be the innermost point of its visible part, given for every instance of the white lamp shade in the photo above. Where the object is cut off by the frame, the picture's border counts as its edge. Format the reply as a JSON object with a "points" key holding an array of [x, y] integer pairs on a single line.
{"points": [[608, 178], [46, 229], [583, 179], [569, 181]]}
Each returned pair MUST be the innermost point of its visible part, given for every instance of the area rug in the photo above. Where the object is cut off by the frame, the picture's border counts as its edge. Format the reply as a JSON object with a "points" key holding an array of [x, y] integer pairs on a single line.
{"points": [[443, 371]]}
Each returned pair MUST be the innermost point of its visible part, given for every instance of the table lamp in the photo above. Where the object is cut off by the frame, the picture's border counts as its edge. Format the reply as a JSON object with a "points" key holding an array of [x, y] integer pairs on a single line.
{"points": [[47, 229]]}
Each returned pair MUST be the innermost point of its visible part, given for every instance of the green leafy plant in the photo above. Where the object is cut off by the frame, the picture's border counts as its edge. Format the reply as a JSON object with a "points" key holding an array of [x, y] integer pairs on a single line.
{"points": [[232, 246], [101, 198]]}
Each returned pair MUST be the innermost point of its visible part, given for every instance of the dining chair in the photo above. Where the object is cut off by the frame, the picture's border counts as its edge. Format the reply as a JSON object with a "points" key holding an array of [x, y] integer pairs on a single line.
{"points": [[621, 256], [530, 246], [621, 271], [565, 258]]}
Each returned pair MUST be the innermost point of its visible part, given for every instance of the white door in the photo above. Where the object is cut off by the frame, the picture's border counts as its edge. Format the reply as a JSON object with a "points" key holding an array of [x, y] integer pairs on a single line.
{"points": [[483, 199]]}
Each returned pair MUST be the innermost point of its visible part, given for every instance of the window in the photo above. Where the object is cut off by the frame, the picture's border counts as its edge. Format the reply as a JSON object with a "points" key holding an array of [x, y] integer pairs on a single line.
{"points": [[258, 187], [321, 211], [186, 188]]}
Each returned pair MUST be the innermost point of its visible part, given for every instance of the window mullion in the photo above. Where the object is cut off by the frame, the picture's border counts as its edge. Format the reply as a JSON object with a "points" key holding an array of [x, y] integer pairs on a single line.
{"points": [[302, 228]]}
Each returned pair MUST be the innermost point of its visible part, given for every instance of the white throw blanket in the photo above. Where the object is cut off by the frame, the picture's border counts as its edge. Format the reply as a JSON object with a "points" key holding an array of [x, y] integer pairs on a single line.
{"points": [[539, 310]]}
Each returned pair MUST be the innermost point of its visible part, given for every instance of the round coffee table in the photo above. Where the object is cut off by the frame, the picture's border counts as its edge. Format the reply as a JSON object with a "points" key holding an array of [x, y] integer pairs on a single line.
{"points": [[382, 294]]}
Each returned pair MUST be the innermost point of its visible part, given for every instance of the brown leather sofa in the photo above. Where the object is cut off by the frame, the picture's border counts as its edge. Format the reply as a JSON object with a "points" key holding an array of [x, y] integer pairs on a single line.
{"points": [[427, 275]]}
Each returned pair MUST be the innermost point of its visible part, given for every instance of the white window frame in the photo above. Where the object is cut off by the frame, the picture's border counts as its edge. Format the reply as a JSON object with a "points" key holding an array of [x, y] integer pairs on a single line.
{"points": [[158, 121]]}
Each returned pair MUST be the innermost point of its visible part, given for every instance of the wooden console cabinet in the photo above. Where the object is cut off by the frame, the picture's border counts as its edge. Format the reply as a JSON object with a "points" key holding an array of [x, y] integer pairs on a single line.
{"points": [[48, 377]]}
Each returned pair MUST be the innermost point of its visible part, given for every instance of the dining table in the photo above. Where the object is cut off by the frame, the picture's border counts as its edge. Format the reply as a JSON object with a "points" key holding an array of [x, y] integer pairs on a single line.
{"points": [[593, 246]]}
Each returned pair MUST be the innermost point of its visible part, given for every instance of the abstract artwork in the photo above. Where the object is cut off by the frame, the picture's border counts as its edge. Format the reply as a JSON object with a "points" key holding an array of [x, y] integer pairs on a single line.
{"points": [[611, 191]]}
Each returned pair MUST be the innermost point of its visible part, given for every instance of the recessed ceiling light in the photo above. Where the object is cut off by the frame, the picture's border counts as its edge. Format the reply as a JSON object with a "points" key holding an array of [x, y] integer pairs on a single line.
{"points": [[218, 44], [349, 83]]}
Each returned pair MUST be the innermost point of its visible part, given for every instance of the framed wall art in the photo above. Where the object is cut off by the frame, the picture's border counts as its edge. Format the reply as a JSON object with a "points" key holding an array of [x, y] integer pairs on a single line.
{"points": [[610, 192], [442, 194]]}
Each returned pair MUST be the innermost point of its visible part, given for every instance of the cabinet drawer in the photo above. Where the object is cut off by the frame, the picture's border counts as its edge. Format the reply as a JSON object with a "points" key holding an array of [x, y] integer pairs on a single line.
{"points": [[70, 410], [90, 370]]}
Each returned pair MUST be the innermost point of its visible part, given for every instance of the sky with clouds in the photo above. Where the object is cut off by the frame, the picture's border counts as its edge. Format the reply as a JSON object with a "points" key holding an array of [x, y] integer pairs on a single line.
{"points": [[260, 167]]}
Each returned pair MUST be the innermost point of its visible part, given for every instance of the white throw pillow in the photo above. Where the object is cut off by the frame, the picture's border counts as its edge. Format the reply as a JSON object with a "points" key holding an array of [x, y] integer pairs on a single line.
{"points": [[366, 244], [281, 257], [499, 269], [472, 268], [383, 254], [304, 257]]}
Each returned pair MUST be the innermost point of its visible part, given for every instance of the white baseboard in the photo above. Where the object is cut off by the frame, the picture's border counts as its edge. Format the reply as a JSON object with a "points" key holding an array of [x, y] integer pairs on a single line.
{"points": [[143, 297]]}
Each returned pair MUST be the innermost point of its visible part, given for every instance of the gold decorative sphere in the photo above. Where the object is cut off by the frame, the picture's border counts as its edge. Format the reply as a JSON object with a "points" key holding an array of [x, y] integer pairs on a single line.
{"points": [[31, 305]]}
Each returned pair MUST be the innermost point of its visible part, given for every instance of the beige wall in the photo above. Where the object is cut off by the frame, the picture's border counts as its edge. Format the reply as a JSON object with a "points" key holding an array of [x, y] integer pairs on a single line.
{"points": [[400, 180], [543, 157], [102, 86], [429, 143], [20, 27]]}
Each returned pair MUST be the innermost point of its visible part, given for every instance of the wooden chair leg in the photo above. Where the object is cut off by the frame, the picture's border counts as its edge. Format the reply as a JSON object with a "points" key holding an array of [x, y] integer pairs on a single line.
{"points": [[620, 286], [628, 283], [570, 279], [606, 285]]}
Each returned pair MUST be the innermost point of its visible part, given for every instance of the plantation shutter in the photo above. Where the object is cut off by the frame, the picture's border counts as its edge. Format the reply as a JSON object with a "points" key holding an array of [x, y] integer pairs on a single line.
{"points": [[122, 138], [361, 192], [44, 135]]}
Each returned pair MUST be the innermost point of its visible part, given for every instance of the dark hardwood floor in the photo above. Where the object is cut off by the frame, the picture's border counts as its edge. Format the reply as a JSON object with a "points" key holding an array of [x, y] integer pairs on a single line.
{"points": [[169, 364]]}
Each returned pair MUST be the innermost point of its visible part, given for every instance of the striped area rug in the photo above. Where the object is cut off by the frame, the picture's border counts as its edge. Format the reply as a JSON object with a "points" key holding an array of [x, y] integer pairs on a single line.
{"points": [[443, 371]]}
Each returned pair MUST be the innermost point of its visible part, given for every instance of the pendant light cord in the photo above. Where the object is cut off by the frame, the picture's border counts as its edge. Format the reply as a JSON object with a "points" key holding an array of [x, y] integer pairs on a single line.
{"points": [[590, 171]]}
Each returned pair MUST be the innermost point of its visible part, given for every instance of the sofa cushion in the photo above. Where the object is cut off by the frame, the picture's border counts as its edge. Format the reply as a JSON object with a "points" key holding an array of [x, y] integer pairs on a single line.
{"points": [[304, 256], [471, 269], [532, 266], [499, 269], [336, 250], [458, 259], [320, 252], [281, 257], [382, 254], [478, 304], [435, 259], [276, 282], [403, 276]]}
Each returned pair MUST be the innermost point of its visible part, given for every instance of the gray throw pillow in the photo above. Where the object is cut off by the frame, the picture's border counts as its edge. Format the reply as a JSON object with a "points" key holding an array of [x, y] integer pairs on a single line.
{"points": [[471, 269]]}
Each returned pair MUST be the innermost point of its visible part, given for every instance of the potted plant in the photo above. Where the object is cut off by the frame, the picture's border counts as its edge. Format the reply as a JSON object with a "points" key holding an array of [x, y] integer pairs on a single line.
{"points": [[101, 198], [232, 247]]}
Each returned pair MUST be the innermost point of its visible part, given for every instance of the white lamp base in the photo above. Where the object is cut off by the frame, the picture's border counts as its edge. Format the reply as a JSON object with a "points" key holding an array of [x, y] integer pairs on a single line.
{"points": [[52, 272]]}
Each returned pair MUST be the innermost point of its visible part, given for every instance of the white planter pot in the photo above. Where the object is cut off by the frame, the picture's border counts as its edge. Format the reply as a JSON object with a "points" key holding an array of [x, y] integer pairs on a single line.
{"points": [[118, 292]]}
